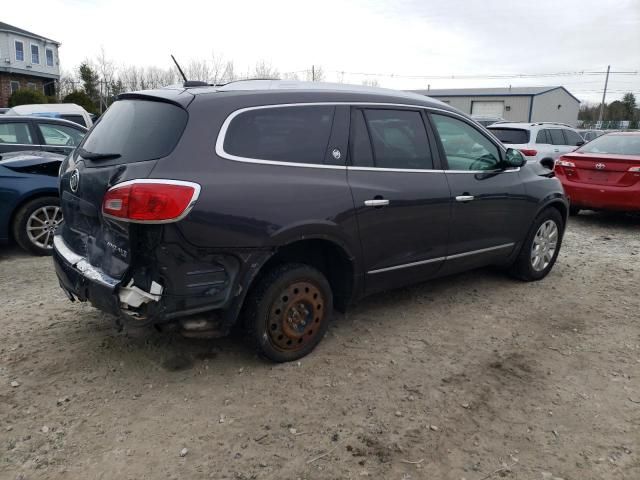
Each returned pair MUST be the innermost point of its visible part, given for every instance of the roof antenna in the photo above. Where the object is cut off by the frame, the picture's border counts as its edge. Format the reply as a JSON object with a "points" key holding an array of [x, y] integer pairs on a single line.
{"points": [[179, 69]]}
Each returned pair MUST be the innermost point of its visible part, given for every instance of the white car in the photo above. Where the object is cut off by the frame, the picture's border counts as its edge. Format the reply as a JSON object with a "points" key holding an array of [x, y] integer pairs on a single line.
{"points": [[66, 111], [541, 142]]}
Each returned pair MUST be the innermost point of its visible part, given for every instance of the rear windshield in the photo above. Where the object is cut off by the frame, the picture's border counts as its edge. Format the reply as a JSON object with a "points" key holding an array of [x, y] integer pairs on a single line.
{"points": [[137, 130], [511, 135], [615, 144]]}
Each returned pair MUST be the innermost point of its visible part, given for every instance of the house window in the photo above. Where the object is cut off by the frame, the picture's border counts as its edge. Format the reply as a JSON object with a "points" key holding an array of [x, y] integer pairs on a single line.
{"points": [[49, 54], [31, 86], [15, 85], [19, 51], [35, 54]]}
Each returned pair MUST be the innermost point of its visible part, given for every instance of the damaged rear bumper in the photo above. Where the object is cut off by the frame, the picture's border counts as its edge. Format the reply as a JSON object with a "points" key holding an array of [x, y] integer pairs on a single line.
{"points": [[82, 281], [210, 286]]}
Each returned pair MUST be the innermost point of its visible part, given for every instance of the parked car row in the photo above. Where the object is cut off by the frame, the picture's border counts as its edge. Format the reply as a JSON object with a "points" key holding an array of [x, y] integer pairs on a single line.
{"points": [[31, 151]]}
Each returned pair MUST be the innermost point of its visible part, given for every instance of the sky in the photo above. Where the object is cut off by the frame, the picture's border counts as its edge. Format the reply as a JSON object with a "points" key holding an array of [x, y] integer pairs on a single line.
{"points": [[390, 41]]}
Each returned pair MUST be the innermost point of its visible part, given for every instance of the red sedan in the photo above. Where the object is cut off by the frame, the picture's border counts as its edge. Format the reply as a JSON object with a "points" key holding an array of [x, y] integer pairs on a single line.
{"points": [[603, 174]]}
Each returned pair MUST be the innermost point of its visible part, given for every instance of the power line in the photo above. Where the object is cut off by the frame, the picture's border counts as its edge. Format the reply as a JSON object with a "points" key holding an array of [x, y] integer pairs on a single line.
{"points": [[489, 76]]}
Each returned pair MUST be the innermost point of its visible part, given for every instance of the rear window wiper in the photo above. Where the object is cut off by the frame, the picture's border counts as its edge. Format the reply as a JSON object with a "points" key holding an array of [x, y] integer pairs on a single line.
{"points": [[97, 156]]}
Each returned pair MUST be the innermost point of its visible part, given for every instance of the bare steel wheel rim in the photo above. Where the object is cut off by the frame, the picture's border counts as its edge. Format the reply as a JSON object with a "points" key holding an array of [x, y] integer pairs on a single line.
{"points": [[295, 316], [41, 225], [544, 245]]}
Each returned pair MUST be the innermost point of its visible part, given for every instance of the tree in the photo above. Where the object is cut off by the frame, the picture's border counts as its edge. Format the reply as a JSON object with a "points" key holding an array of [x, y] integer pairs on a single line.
{"points": [[90, 81], [264, 70], [81, 98], [26, 96], [629, 105]]}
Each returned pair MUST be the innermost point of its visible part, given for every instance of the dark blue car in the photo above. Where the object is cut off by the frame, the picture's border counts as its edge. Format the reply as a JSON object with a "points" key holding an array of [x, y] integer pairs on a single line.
{"points": [[29, 205]]}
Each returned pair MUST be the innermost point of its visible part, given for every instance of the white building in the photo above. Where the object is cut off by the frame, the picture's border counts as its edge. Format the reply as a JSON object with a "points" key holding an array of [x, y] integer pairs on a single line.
{"points": [[27, 60], [516, 104]]}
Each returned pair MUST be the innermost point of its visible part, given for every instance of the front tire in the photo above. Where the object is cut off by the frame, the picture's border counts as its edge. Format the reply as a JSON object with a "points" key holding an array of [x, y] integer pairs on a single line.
{"points": [[541, 247], [288, 311], [34, 224]]}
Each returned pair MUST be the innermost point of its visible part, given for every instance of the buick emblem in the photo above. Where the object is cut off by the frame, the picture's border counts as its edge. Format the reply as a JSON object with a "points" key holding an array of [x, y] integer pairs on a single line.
{"points": [[600, 166], [74, 180], [336, 154]]}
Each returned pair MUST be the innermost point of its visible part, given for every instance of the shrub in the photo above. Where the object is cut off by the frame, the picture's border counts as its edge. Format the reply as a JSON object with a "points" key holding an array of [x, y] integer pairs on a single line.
{"points": [[26, 96]]}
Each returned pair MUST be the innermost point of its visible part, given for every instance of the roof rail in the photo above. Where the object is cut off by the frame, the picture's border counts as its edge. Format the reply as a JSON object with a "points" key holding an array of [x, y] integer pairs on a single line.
{"points": [[552, 123]]}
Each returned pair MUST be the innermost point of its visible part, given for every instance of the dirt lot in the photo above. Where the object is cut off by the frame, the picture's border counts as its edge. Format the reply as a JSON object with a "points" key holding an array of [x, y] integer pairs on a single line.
{"points": [[475, 376]]}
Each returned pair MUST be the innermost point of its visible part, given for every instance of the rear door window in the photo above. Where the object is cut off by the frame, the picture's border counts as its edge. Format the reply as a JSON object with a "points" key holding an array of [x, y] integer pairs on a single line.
{"points": [[60, 134], [557, 138], [572, 137], [137, 130], [511, 135], [543, 137], [360, 144], [399, 139], [283, 134], [15, 133]]}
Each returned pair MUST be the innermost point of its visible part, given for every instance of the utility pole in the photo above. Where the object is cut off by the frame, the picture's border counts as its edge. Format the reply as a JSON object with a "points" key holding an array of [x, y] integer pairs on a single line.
{"points": [[604, 95], [313, 73]]}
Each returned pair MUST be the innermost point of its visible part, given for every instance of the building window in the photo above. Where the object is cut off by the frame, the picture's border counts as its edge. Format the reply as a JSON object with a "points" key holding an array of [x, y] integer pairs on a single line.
{"points": [[15, 85], [49, 54], [31, 86], [19, 51], [35, 54]]}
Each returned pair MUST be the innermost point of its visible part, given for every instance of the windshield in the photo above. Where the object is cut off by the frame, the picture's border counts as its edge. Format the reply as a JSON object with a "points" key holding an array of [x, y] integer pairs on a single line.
{"points": [[511, 135], [614, 144], [136, 130]]}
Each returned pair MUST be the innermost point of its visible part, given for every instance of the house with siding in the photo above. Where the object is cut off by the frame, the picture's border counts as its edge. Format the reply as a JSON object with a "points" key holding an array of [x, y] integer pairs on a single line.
{"points": [[27, 60], [515, 104]]}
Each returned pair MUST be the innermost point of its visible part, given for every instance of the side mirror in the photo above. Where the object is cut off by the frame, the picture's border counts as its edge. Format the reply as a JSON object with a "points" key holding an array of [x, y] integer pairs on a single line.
{"points": [[580, 143], [514, 158]]}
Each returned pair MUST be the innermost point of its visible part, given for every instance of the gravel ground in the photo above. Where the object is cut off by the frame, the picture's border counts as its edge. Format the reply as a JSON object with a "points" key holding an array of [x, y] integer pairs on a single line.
{"points": [[475, 376]]}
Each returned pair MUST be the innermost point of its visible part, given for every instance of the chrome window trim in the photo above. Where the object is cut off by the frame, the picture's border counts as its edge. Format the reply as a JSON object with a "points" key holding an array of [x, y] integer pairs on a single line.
{"points": [[219, 146], [437, 259], [27, 144]]}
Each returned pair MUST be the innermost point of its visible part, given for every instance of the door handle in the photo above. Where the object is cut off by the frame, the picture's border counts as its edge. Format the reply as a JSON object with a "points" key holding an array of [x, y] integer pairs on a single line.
{"points": [[377, 202], [464, 198]]}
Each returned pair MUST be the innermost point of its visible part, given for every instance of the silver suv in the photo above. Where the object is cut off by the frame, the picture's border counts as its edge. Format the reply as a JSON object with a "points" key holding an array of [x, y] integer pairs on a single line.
{"points": [[541, 142]]}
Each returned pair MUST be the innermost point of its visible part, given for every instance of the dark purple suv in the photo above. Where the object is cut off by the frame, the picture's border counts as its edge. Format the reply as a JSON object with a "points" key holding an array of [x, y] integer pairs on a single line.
{"points": [[275, 202]]}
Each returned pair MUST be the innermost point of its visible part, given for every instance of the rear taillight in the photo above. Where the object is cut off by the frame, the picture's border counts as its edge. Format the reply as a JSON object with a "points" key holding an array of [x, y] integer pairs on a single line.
{"points": [[152, 201], [528, 152], [565, 163], [634, 169]]}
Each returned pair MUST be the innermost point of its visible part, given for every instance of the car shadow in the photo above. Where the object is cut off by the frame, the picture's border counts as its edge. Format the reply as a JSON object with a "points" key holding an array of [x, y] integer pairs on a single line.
{"points": [[607, 219]]}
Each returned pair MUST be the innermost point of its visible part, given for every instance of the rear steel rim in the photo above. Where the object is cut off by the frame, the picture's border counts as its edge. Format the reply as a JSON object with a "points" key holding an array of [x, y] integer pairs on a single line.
{"points": [[544, 245], [41, 225], [296, 316]]}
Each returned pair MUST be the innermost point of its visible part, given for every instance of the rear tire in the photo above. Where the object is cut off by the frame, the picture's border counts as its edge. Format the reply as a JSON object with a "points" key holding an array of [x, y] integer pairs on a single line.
{"points": [[34, 225], [541, 247], [287, 312]]}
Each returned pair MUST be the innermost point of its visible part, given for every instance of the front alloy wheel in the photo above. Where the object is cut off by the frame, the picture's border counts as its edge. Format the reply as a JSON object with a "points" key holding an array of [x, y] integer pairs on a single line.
{"points": [[541, 246], [544, 245]]}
